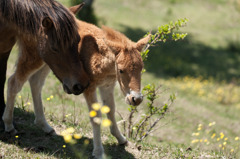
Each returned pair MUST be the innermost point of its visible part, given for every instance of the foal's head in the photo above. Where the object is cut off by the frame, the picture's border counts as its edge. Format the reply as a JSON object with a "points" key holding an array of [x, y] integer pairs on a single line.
{"points": [[59, 49], [129, 64]]}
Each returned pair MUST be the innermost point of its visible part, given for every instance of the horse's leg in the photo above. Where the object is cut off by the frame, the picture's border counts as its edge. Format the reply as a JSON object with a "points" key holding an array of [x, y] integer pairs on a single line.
{"points": [[108, 99], [36, 82], [3, 69], [24, 69], [91, 97]]}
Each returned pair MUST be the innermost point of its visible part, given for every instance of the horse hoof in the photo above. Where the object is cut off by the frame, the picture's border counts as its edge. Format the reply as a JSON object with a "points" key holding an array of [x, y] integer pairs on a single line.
{"points": [[126, 143], [51, 133], [12, 132]]}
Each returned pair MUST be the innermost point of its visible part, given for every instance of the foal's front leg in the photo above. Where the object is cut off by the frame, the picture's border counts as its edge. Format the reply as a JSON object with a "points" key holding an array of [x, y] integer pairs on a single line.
{"points": [[36, 82], [91, 97], [108, 99]]}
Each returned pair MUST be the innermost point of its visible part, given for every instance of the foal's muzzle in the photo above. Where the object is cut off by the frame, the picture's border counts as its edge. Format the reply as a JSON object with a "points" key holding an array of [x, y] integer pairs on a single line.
{"points": [[134, 98]]}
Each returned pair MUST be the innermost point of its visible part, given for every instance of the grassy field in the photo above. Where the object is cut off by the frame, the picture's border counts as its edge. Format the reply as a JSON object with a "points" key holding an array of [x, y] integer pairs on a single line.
{"points": [[203, 71]]}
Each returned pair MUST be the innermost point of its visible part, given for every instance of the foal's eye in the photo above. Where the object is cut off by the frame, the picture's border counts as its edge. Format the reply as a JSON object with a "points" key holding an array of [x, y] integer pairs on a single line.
{"points": [[121, 71]]}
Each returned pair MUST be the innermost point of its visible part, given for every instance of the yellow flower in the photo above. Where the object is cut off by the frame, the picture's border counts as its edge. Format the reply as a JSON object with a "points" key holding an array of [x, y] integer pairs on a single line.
{"points": [[205, 140], [70, 130], [220, 145], [92, 113], [232, 150], [19, 97], [218, 139], [105, 109], [51, 96], [221, 135], [67, 138], [64, 146], [106, 122], [77, 136], [28, 103], [236, 138], [96, 106], [223, 148], [199, 125], [224, 143], [210, 124], [48, 99], [226, 139], [16, 137], [197, 134], [199, 128], [201, 140], [213, 135]]}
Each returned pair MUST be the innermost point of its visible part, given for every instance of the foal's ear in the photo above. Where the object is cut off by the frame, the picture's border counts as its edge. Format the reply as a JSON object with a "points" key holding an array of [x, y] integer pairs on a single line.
{"points": [[47, 23], [77, 8], [142, 42]]}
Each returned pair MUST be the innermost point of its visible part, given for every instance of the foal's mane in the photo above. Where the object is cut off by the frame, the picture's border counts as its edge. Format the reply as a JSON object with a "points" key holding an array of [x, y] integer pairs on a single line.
{"points": [[27, 15]]}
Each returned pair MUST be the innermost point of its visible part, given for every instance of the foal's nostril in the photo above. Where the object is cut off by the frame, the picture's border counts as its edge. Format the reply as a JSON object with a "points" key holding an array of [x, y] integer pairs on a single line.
{"points": [[133, 100], [136, 100], [77, 89]]}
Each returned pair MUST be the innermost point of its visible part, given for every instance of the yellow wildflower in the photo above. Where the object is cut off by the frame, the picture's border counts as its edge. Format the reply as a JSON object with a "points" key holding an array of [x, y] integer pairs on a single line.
{"points": [[67, 138], [92, 113], [48, 99], [218, 139], [51, 96], [16, 137], [201, 140], [220, 145], [106, 122], [77, 136], [70, 130], [213, 135], [197, 134], [199, 128], [226, 139], [19, 97], [232, 150], [236, 138], [224, 143], [205, 140], [96, 106], [105, 109], [28, 103], [64, 146]]}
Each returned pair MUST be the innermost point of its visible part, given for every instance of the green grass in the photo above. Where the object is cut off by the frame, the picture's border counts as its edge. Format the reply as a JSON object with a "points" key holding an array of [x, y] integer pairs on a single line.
{"points": [[211, 51]]}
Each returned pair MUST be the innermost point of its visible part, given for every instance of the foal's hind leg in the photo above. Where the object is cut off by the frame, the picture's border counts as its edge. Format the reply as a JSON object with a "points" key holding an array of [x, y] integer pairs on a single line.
{"points": [[24, 69], [108, 99], [36, 82]]}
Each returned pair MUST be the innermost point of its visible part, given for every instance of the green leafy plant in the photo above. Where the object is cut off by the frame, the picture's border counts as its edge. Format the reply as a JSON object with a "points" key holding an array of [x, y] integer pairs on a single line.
{"points": [[140, 129]]}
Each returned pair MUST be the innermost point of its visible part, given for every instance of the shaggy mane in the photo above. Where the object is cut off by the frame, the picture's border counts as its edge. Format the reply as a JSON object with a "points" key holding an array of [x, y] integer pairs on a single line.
{"points": [[27, 15]]}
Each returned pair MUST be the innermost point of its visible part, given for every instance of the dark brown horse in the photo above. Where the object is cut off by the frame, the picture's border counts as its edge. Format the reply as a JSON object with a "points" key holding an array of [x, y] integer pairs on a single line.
{"points": [[46, 33]]}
